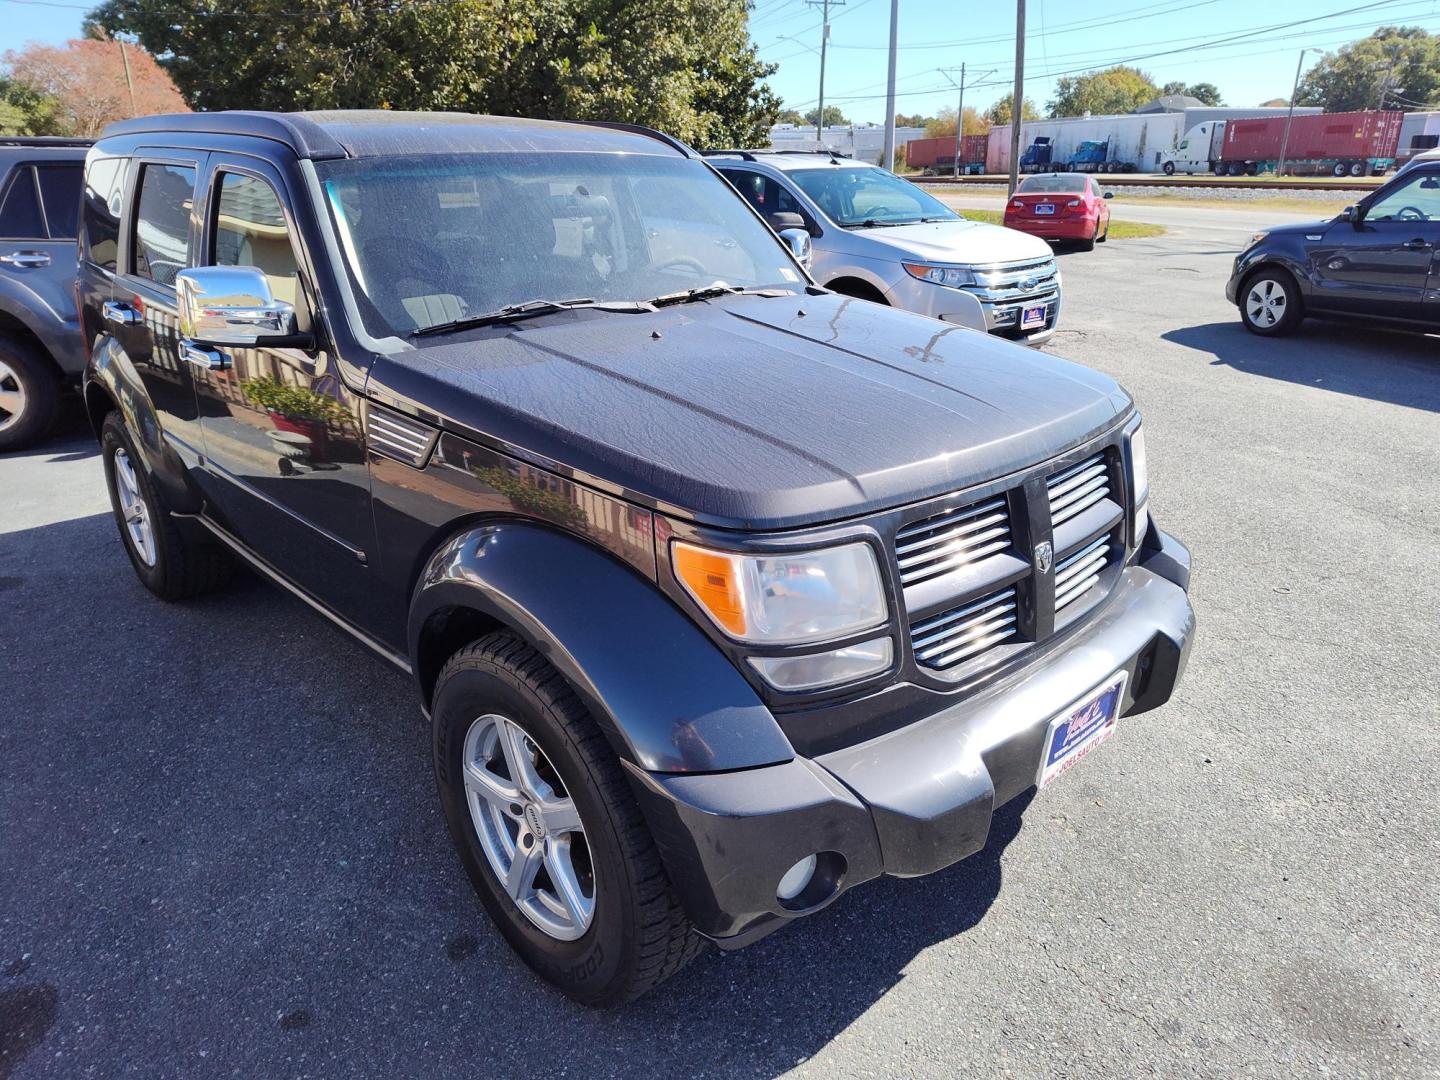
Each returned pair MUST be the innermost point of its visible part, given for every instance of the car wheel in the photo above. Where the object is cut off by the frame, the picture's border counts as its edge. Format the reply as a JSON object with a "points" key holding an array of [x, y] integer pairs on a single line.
{"points": [[1357, 169], [1089, 245], [1270, 303], [1169, 168], [29, 395], [1106, 234], [1340, 169], [170, 563], [1218, 168], [548, 829]]}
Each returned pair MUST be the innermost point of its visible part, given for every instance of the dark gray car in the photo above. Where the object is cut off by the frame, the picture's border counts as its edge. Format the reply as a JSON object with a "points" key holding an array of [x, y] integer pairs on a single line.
{"points": [[40, 342]]}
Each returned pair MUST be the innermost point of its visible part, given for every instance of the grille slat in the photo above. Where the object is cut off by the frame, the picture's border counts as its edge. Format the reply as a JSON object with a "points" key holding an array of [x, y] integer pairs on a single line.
{"points": [[951, 540], [1077, 573], [1078, 488], [946, 639]]}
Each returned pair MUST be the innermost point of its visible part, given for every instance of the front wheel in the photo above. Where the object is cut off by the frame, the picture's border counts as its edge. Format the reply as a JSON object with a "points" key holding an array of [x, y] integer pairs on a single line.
{"points": [[1270, 303], [548, 830], [1169, 168]]}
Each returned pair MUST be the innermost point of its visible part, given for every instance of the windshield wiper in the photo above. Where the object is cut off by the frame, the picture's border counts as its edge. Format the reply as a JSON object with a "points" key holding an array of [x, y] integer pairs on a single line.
{"points": [[876, 223], [528, 310], [708, 292]]}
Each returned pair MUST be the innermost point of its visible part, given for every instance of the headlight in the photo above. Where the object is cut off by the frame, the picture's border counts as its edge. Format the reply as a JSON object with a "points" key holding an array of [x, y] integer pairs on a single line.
{"points": [[1255, 239], [785, 599], [1139, 483], [952, 277]]}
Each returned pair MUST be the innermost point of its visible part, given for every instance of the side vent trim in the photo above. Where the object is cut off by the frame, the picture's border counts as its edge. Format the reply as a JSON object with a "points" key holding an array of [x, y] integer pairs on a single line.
{"points": [[395, 435]]}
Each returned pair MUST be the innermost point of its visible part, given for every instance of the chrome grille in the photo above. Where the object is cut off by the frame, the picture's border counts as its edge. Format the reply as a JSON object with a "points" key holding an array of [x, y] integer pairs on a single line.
{"points": [[1014, 281], [398, 436], [1078, 488], [1076, 573], [951, 637], [951, 540]]}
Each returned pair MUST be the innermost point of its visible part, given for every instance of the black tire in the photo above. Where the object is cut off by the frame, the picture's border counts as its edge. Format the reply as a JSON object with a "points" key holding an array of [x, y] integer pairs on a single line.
{"points": [[1218, 168], [25, 370], [1104, 235], [1169, 168], [1340, 168], [184, 566], [1293, 307], [1089, 245], [640, 935]]}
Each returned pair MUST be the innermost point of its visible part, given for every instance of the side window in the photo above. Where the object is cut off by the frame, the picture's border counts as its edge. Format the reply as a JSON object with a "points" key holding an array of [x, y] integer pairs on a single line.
{"points": [[100, 214], [162, 221], [60, 193], [20, 209], [749, 184], [250, 230], [781, 201], [1418, 200]]}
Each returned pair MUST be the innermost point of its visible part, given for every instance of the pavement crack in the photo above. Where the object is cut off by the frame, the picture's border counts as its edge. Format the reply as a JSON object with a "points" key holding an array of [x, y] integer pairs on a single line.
{"points": [[1106, 1000]]}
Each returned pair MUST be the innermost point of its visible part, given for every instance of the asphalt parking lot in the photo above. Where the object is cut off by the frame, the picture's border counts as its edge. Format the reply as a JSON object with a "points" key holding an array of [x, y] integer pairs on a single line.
{"points": [[222, 852]]}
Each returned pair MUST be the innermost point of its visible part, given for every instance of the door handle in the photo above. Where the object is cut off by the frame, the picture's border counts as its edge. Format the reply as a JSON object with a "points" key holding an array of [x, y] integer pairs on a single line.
{"points": [[26, 260], [119, 314], [1417, 245], [201, 357]]}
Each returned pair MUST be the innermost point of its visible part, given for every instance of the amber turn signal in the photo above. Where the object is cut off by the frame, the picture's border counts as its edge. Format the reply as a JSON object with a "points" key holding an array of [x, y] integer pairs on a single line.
{"points": [[714, 580]]}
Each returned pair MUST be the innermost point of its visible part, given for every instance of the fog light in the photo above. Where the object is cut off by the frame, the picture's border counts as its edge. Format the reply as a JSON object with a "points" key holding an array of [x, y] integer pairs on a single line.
{"points": [[796, 878], [807, 671]]}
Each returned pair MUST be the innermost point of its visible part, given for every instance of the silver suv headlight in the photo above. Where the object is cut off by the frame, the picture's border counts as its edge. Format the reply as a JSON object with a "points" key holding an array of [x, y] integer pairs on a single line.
{"points": [[952, 277]]}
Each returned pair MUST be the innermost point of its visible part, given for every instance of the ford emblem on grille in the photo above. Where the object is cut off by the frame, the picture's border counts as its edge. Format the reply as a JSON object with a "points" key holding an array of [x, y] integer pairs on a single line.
{"points": [[1044, 556]]}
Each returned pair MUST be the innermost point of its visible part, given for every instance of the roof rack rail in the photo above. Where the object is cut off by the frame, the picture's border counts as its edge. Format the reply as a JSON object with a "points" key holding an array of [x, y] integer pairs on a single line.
{"points": [[743, 155], [641, 129], [43, 140]]}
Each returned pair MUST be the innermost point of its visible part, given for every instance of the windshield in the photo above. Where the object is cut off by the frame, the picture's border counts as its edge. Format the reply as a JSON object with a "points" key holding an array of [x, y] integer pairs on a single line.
{"points": [[436, 238], [853, 197], [1058, 185]]}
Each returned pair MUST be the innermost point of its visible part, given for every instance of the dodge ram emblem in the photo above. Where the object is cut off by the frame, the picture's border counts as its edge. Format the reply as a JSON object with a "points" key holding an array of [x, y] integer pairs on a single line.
{"points": [[1044, 556]]}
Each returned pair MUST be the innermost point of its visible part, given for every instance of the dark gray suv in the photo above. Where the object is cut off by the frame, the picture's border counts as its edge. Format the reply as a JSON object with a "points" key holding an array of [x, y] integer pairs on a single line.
{"points": [[40, 341]]}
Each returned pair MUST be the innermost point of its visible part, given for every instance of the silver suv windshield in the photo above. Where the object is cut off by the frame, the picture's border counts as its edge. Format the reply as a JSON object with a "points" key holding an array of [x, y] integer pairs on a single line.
{"points": [[857, 198], [438, 239]]}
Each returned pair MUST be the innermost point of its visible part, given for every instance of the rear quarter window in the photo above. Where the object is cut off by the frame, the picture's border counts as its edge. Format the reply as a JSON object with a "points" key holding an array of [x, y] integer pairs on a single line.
{"points": [[20, 207], [60, 194], [100, 212]]}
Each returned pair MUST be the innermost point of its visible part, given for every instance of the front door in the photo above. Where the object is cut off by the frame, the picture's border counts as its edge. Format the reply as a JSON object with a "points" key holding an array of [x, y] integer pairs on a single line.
{"points": [[1380, 266], [285, 462]]}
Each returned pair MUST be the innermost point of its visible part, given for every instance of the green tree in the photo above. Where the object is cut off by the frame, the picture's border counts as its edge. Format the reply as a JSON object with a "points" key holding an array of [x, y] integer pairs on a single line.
{"points": [[790, 116], [687, 68], [943, 126], [1404, 60], [25, 110], [834, 116], [913, 120], [1000, 112], [1119, 89], [1206, 92]]}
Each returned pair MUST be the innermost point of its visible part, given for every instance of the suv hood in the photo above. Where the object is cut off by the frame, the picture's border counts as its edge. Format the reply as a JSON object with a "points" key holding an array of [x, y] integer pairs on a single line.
{"points": [[963, 242], [755, 412]]}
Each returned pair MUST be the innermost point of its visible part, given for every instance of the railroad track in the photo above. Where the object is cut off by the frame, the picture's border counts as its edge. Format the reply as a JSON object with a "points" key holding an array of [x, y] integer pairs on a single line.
{"points": [[1119, 180]]}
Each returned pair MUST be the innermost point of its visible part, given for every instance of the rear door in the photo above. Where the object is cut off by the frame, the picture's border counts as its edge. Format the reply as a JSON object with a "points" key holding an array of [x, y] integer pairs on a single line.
{"points": [[1383, 265]]}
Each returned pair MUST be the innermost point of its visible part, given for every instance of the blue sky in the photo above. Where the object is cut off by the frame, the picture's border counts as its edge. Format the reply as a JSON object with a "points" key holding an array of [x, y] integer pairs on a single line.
{"points": [[1064, 36]]}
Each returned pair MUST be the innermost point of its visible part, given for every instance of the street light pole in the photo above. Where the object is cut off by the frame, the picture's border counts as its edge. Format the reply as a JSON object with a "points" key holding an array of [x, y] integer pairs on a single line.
{"points": [[960, 108], [1290, 113], [889, 161], [1017, 108]]}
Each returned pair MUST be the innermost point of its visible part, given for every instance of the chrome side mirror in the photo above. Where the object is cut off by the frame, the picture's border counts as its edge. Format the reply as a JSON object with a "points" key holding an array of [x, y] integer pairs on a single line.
{"points": [[232, 305], [798, 241]]}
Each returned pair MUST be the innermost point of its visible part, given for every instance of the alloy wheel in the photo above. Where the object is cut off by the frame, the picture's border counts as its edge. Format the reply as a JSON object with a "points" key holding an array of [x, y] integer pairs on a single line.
{"points": [[1265, 303], [133, 509], [528, 827], [12, 396]]}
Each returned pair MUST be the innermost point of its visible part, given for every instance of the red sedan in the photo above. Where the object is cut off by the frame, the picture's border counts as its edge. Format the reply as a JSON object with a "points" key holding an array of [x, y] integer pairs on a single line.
{"points": [[1060, 206]]}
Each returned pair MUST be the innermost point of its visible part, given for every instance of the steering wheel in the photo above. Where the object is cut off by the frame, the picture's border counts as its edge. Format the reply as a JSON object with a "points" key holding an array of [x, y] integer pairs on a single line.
{"points": [[1416, 214], [878, 211], [683, 262]]}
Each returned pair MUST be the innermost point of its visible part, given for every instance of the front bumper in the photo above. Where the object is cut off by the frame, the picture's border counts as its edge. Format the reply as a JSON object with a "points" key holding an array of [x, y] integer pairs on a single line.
{"points": [[917, 799], [965, 307]]}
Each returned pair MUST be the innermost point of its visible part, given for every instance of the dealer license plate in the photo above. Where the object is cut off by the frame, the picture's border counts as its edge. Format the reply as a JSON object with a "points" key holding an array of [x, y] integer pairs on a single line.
{"points": [[1044, 208], [1081, 728], [1032, 317]]}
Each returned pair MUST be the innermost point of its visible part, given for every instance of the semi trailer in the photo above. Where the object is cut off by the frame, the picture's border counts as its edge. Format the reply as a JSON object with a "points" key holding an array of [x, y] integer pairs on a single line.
{"points": [[936, 157], [1320, 144]]}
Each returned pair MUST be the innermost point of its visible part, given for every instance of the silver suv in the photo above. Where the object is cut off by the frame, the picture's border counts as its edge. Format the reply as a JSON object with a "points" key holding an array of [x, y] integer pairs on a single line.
{"points": [[40, 344], [882, 238]]}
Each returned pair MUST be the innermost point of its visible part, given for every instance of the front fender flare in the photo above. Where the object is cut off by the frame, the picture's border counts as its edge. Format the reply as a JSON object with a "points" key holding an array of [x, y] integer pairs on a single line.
{"points": [[667, 698]]}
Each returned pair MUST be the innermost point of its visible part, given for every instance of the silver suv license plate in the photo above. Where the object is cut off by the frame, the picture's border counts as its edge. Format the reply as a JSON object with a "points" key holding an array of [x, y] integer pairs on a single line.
{"points": [[1081, 728]]}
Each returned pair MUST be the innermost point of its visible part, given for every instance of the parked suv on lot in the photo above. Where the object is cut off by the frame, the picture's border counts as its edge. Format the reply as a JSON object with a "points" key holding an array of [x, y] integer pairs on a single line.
{"points": [[1376, 261], [724, 592], [882, 238], [40, 342]]}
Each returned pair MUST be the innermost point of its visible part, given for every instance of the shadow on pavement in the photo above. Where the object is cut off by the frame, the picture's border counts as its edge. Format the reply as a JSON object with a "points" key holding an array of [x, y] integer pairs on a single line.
{"points": [[224, 854], [1382, 365]]}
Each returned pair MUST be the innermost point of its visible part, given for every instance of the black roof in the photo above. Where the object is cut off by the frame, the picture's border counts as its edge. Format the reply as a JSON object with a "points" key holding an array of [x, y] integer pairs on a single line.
{"points": [[364, 132]]}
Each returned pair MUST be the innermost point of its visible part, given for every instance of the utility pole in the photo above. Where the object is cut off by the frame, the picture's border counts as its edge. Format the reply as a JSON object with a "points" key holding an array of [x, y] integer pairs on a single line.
{"points": [[960, 108], [129, 82], [1017, 100], [824, 6], [889, 151], [1290, 113]]}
